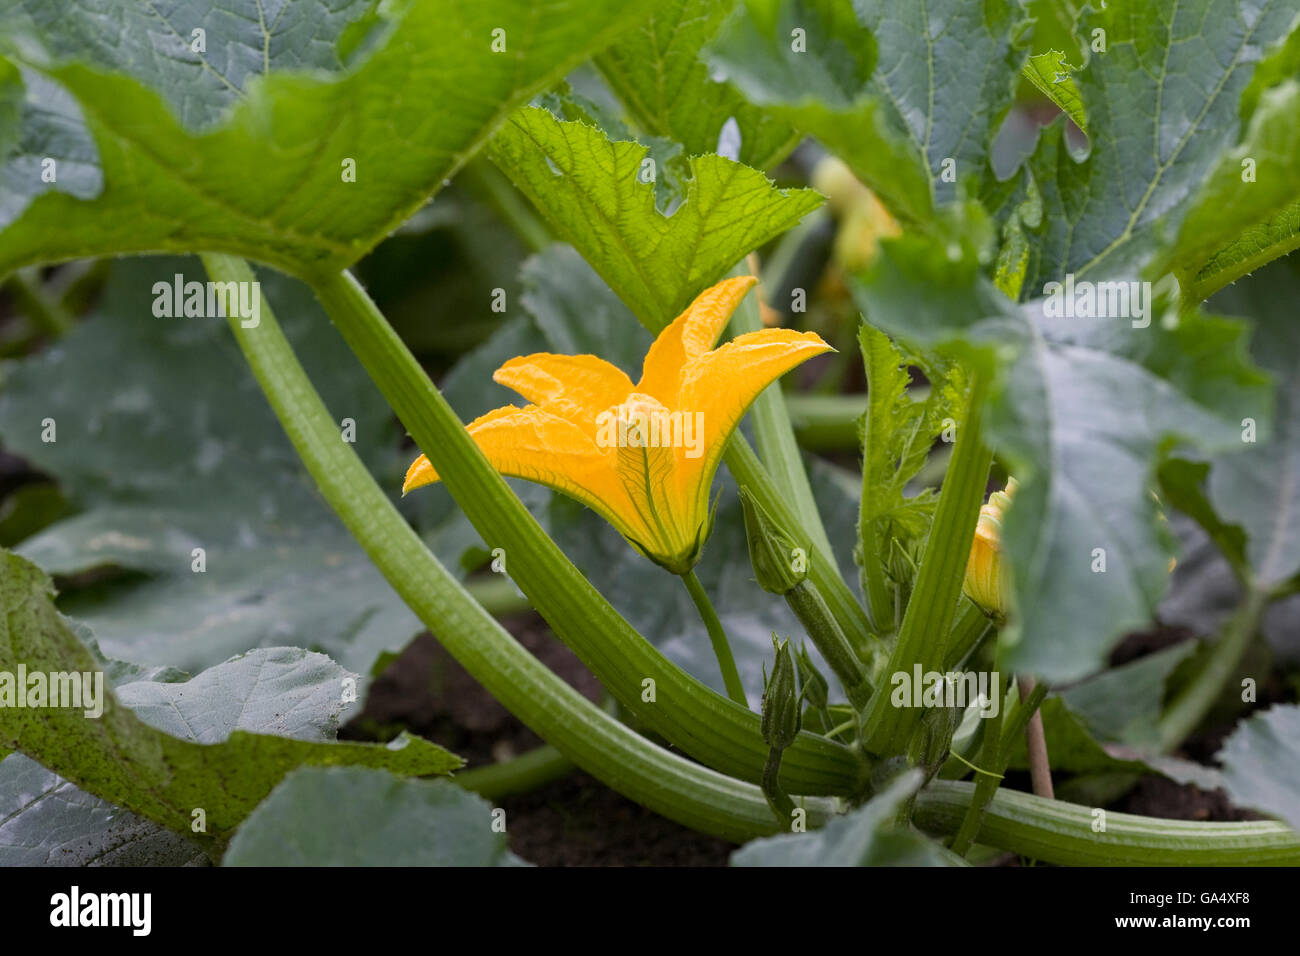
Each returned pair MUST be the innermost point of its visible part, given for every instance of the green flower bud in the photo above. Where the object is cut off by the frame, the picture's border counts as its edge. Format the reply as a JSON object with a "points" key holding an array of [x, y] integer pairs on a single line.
{"points": [[781, 709], [779, 564]]}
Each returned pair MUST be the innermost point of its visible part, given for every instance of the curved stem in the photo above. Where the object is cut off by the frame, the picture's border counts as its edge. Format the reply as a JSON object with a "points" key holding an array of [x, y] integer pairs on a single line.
{"points": [[721, 648], [1070, 835], [717, 731], [1191, 705], [652, 776], [780, 802]]}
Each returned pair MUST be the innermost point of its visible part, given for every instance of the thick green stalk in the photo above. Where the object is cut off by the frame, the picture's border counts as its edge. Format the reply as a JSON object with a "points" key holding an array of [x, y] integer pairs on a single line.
{"points": [[1062, 833], [718, 637], [708, 726], [666, 783], [933, 605]]}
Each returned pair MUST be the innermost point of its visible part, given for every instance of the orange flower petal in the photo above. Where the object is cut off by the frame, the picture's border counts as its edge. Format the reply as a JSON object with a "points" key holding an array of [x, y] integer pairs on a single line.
{"points": [[575, 387], [689, 336]]}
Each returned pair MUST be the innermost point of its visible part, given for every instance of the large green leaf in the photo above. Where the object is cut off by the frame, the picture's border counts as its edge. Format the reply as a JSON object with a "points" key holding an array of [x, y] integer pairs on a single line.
{"points": [[902, 92], [1082, 410], [170, 447], [349, 816], [656, 71], [427, 90], [1257, 489], [285, 691], [1163, 103], [1261, 763], [868, 836], [164, 778], [593, 192]]}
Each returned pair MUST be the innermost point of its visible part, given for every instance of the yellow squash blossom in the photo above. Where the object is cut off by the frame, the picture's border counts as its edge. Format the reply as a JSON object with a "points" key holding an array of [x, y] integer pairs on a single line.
{"points": [[642, 456], [986, 578]]}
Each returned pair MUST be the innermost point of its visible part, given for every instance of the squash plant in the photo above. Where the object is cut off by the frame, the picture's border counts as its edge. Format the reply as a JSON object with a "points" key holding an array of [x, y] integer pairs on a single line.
{"points": [[1036, 296]]}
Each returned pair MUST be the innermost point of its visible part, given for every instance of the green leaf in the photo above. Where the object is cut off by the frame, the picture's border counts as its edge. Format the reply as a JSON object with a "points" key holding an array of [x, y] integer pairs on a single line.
{"points": [[171, 447], [1257, 489], [40, 124], [286, 691], [1123, 704], [1051, 75], [868, 836], [656, 72], [1261, 763], [159, 47], [1163, 108], [1082, 410], [590, 190], [348, 816], [402, 114], [164, 778], [1248, 211], [900, 92]]}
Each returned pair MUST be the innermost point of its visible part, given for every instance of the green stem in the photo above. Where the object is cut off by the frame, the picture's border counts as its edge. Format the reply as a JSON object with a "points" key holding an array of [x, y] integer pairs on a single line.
{"points": [[933, 604], [721, 648], [1063, 833], [775, 436], [780, 802], [666, 783], [972, 624], [1196, 699], [716, 731], [521, 774], [806, 602]]}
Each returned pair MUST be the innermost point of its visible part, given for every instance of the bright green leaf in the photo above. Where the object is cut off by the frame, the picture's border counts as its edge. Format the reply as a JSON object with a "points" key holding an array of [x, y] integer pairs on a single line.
{"points": [[404, 115], [597, 195]]}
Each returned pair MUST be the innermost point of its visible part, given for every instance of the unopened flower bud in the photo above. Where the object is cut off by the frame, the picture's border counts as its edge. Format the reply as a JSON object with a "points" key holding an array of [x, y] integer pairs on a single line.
{"points": [[987, 581]]}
